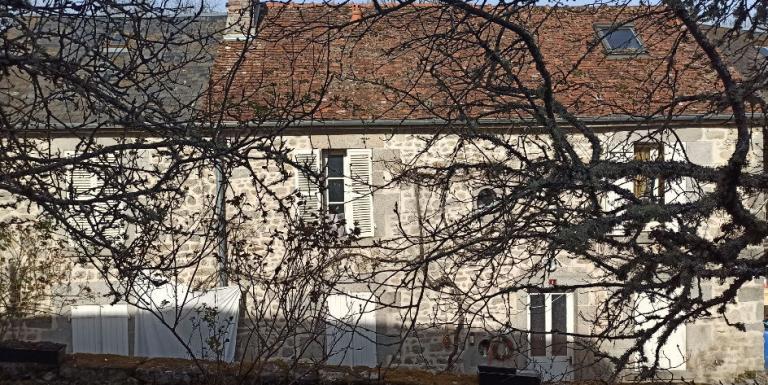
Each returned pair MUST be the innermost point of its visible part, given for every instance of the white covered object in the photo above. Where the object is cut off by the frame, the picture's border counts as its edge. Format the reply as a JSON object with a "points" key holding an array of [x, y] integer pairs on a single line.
{"points": [[206, 322], [100, 329]]}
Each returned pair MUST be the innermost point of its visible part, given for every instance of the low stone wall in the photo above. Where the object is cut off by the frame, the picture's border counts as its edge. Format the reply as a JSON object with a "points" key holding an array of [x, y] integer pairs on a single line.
{"points": [[94, 369]]}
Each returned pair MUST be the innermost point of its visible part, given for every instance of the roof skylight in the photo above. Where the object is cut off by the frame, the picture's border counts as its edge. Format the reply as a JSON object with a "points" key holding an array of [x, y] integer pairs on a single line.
{"points": [[620, 39]]}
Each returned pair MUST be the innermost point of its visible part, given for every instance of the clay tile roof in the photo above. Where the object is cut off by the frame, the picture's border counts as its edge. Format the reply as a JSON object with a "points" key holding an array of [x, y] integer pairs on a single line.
{"points": [[419, 63]]}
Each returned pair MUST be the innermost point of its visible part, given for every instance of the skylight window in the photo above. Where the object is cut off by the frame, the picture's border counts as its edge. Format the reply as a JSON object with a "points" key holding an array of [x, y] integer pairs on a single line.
{"points": [[620, 39], [763, 51]]}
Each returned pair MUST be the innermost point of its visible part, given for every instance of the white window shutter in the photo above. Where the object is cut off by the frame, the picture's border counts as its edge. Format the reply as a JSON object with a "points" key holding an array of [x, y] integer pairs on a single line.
{"points": [[612, 200], [85, 185], [82, 183], [309, 190], [351, 330], [82, 180], [360, 194], [676, 190], [114, 228]]}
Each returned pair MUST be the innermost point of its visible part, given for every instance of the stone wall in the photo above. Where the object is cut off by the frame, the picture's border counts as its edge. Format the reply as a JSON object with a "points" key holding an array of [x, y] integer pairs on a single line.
{"points": [[434, 342]]}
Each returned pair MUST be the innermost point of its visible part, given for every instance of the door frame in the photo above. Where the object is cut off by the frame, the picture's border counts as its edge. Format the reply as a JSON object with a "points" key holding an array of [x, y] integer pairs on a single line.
{"points": [[570, 320], [570, 323]]}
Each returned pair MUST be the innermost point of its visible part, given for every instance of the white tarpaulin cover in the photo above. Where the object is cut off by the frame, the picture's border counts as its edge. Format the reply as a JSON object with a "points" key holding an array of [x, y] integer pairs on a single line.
{"points": [[205, 321], [100, 329]]}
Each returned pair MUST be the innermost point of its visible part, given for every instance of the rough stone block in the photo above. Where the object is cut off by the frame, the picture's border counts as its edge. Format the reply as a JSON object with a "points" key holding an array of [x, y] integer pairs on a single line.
{"points": [[39, 322], [689, 134], [750, 294], [700, 152]]}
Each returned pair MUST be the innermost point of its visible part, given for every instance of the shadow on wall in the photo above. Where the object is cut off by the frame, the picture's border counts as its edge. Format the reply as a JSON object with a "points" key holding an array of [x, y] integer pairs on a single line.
{"points": [[357, 334], [350, 331]]}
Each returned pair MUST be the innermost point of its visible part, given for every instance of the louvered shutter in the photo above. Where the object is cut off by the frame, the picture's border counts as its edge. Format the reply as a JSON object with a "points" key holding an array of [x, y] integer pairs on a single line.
{"points": [[360, 194], [111, 228], [82, 183], [612, 200], [310, 192], [85, 185]]}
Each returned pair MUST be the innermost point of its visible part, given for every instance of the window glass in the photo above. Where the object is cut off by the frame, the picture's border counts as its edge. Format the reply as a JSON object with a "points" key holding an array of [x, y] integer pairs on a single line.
{"points": [[115, 42], [335, 190], [335, 165], [763, 51], [334, 184], [559, 324], [621, 39], [538, 325]]}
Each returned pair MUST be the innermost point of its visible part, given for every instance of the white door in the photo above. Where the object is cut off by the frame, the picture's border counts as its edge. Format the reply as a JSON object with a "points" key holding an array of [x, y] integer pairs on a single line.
{"points": [[550, 316], [672, 355], [351, 332]]}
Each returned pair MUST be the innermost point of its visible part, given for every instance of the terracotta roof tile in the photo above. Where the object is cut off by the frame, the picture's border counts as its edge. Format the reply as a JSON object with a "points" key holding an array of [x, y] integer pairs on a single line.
{"points": [[421, 62]]}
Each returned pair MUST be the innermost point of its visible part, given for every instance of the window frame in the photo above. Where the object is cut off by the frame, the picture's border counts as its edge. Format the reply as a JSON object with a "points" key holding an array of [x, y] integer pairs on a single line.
{"points": [[603, 30], [358, 195], [325, 201], [489, 205], [658, 180], [548, 333]]}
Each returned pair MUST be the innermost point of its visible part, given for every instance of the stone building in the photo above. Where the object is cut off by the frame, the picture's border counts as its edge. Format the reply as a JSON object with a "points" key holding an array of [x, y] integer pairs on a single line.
{"points": [[361, 129]]}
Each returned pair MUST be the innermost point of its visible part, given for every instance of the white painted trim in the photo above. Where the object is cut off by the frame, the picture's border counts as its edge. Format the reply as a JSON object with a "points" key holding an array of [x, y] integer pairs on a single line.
{"points": [[115, 49]]}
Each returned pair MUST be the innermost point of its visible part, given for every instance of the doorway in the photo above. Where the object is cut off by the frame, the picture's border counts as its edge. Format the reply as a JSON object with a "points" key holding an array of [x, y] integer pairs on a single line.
{"points": [[351, 332], [550, 321]]}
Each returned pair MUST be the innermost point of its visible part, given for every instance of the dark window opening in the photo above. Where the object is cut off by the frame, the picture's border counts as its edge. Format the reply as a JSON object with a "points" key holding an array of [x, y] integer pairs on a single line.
{"points": [[485, 198], [559, 325], [482, 348], [538, 325]]}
